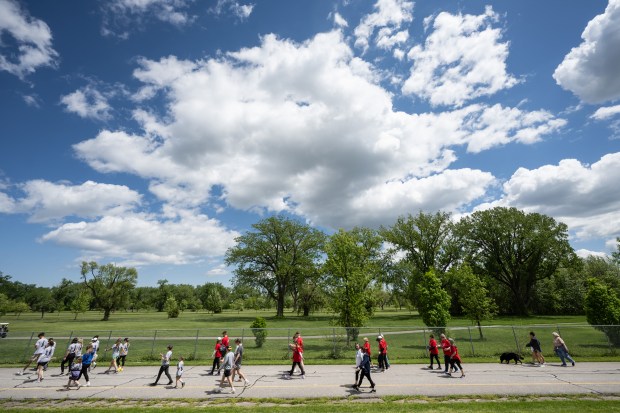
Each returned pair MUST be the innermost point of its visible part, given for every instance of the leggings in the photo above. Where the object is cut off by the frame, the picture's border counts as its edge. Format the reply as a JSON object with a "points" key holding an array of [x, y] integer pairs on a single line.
{"points": [[121, 359], [84, 372], [164, 369], [436, 357], [367, 375], [216, 364], [66, 361], [301, 367], [448, 362], [454, 363]]}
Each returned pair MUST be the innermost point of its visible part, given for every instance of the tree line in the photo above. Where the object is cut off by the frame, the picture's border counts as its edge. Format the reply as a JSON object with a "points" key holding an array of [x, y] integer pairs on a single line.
{"points": [[497, 261]]}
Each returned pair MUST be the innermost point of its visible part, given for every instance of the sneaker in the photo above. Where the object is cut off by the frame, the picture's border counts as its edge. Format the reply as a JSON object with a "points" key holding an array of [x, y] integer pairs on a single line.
{"points": [[232, 391], [563, 365], [573, 364], [169, 383], [20, 373], [430, 367], [356, 387], [303, 376], [182, 384], [94, 365], [373, 390], [438, 367], [153, 384], [78, 386], [120, 369], [87, 384], [245, 382]]}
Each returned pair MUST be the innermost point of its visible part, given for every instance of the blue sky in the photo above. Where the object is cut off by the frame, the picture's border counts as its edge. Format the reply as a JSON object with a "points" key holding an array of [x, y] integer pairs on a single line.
{"points": [[151, 133]]}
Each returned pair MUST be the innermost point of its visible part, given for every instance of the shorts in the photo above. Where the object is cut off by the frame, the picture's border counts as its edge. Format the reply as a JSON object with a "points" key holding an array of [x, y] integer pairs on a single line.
{"points": [[179, 376], [44, 364], [238, 366], [227, 373]]}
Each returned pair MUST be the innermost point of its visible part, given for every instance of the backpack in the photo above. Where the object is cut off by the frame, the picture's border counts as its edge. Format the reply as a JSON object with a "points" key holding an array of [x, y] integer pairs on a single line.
{"points": [[222, 349]]}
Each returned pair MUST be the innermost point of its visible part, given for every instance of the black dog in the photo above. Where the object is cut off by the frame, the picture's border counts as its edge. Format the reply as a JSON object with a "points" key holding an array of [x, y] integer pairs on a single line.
{"points": [[510, 356]]}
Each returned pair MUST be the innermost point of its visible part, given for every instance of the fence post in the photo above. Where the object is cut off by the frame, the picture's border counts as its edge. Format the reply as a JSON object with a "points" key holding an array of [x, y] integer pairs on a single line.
{"points": [[559, 332], [334, 340], [516, 340], [473, 353], [196, 344], [288, 340], [153, 345], [427, 351], [28, 346]]}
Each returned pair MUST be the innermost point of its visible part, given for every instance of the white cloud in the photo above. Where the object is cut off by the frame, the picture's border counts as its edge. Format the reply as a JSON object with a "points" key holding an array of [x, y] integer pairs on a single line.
{"points": [[462, 59], [241, 11], [32, 100], [583, 253], [139, 239], [122, 16], [582, 196], [388, 18], [48, 202], [33, 40], [303, 128], [339, 21], [606, 112], [88, 103], [590, 70]]}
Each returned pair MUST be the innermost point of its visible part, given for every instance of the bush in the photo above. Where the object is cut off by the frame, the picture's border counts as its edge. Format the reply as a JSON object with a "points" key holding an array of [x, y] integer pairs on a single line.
{"points": [[259, 329], [172, 307]]}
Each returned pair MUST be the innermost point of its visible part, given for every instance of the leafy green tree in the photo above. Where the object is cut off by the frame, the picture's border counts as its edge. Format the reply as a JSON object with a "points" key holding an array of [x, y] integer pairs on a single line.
{"points": [[602, 307], [259, 329], [40, 299], [80, 303], [311, 296], [615, 256], [109, 285], [211, 297], [474, 299], [5, 304], [163, 292], [65, 293], [273, 255], [171, 307], [20, 307], [515, 249], [433, 301], [353, 262]]}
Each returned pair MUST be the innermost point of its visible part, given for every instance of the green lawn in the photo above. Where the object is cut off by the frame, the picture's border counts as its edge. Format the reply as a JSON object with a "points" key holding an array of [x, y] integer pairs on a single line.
{"points": [[193, 333]]}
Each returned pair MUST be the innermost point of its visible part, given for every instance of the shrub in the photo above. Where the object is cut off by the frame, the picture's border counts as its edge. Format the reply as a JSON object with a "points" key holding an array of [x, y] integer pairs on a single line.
{"points": [[259, 329]]}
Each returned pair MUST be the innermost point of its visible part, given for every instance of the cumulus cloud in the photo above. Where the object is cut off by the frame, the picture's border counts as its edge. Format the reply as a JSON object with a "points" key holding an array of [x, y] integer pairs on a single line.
{"points": [[387, 20], [137, 239], [462, 59], [590, 70], [47, 201], [304, 128], [88, 103], [122, 16], [240, 11], [32, 37], [606, 112], [582, 196]]}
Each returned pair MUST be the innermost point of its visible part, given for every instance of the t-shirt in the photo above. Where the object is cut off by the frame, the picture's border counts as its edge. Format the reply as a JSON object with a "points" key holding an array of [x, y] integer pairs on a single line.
{"points": [[218, 352], [116, 350], [535, 344], [455, 353], [95, 346], [40, 346], [47, 354], [297, 355], [75, 349], [123, 349], [87, 358], [229, 360], [225, 341], [180, 368], [367, 347], [432, 346], [239, 354], [359, 357], [300, 343], [445, 345], [383, 346], [166, 360]]}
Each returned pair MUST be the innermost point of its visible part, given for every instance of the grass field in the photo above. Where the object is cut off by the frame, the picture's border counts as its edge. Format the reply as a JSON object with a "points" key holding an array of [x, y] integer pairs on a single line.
{"points": [[389, 405], [193, 334]]}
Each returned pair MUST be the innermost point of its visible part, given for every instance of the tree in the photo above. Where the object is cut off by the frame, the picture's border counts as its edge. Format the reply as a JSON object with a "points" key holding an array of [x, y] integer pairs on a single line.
{"points": [[163, 292], [20, 307], [5, 304], [353, 262], [65, 293], [109, 285], [433, 301], [602, 307], [474, 299], [40, 299], [171, 307], [273, 255], [211, 297], [81, 303], [515, 249], [259, 329]]}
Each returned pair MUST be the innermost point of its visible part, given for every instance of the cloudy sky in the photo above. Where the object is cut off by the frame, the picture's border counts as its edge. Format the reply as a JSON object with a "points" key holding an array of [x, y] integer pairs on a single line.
{"points": [[151, 133]]}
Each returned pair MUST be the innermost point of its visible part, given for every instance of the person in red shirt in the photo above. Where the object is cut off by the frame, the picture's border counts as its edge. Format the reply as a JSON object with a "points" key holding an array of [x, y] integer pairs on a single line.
{"points": [[217, 356], [383, 361], [297, 360], [434, 352], [367, 347], [299, 341], [225, 339], [455, 359], [447, 351]]}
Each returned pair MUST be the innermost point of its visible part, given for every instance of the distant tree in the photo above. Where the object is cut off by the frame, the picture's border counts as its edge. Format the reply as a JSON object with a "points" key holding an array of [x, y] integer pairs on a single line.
{"points": [[20, 307], [171, 307], [109, 285], [259, 329], [311, 296], [474, 299], [41, 300], [433, 302], [272, 256], [602, 307], [5, 304], [163, 292], [515, 249], [615, 256], [65, 293], [81, 303], [211, 297], [353, 262]]}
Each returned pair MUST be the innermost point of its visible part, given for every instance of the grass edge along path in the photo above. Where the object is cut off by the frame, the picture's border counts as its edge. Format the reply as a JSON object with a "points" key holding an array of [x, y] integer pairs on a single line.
{"points": [[465, 404]]}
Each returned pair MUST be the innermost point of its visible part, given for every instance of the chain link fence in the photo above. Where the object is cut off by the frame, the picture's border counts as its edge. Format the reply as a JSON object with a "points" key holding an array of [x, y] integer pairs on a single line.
{"points": [[404, 343]]}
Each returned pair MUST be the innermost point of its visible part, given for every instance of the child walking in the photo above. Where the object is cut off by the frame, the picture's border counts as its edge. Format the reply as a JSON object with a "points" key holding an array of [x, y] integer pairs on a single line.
{"points": [[87, 359], [179, 378], [365, 370], [228, 365], [455, 359], [122, 354], [75, 371], [44, 358]]}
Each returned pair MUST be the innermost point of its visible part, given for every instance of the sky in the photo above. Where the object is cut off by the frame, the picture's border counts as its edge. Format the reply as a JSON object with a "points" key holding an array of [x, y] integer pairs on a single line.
{"points": [[152, 133]]}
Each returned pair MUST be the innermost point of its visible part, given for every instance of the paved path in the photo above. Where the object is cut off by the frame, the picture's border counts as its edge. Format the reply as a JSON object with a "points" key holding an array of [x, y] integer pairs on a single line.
{"points": [[326, 381]]}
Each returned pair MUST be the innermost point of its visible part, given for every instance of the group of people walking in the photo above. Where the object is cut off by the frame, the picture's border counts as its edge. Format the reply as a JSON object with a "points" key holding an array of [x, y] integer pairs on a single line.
{"points": [[559, 348]]}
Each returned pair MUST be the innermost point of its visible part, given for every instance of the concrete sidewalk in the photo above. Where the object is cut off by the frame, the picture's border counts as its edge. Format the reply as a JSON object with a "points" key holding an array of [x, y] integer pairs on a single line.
{"points": [[323, 381]]}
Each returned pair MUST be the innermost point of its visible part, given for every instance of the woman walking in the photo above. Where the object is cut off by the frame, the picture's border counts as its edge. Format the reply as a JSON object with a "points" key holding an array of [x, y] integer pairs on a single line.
{"points": [[228, 365], [116, 351], [238, 361], [365, 370], [217, 355], [534, 344], [165, 366], [45, 358], [87, 359], [72, 351], [455, 359], [434, 352], [122, 354], [298, 359], [559, 347]]}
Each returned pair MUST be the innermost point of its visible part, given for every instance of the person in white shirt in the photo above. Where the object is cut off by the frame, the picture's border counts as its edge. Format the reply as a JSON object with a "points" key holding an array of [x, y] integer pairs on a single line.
{"points": [[72, 352], [39, 348], [228, 365], [116, 351], [359, 357], [124, 349], [165, 366], [180, 366], [238, 361], [95, 343], [45, 357]]}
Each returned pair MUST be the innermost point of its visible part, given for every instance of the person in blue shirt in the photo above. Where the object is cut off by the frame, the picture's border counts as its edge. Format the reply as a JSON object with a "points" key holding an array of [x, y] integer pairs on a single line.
{"points": [[87, 359]]}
